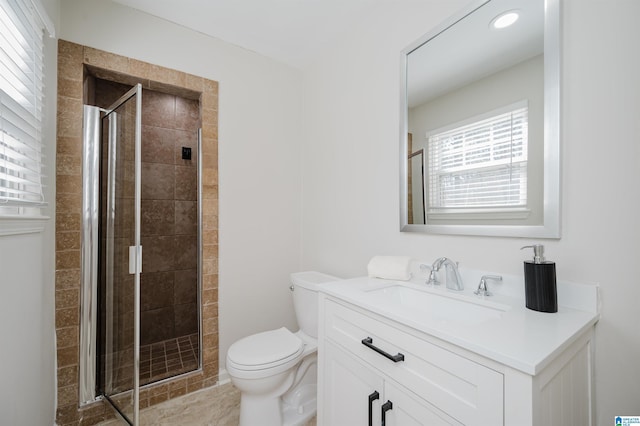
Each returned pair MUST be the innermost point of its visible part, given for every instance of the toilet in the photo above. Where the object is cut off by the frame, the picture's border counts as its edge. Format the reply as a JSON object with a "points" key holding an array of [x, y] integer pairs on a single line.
{"points": [[276, 370]]}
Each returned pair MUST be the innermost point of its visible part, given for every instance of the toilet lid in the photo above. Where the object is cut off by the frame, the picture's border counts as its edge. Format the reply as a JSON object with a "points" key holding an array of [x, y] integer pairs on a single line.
{"points": [[266, 349]]}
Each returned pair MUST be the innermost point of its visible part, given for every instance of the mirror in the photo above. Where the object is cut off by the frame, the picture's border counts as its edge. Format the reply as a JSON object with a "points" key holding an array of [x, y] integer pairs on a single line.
{"points": [[480, 148]]}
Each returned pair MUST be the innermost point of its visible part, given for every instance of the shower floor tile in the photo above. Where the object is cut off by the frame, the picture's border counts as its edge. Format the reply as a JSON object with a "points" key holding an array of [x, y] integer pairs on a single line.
{"points": [[168, 358]]}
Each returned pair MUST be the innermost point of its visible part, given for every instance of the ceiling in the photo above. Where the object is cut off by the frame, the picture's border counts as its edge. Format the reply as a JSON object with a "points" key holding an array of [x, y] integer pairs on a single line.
{"points": [[295, 32], [290, 31]]}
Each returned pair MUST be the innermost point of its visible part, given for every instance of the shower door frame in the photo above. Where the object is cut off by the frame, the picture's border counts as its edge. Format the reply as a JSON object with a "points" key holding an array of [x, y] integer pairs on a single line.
{"points": [[135, 251], [90, 243]]}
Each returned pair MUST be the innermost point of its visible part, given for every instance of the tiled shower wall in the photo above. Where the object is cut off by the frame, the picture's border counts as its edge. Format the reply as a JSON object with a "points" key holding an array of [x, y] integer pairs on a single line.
{"points": [[74, 62], [169, 228], [169, 225]]}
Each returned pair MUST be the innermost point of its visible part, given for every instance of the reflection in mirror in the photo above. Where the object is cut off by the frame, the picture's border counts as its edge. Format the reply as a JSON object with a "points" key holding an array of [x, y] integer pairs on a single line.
{"points": [[416, 187], [480, 113]]}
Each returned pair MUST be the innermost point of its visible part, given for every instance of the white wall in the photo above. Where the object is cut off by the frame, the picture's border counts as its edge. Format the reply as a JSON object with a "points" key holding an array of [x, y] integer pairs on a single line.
{"points": [[351, 186], [482, 96], [27, 356], [259, 148], [27, 389]]}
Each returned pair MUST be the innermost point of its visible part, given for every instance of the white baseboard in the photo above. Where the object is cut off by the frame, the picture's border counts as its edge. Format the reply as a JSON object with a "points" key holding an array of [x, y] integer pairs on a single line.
{"points": [[223, 376]]}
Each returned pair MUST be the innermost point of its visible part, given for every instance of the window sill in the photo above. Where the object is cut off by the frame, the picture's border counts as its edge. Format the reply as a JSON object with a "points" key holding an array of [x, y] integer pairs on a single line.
{"points": [[501, 214], [18, 225]]}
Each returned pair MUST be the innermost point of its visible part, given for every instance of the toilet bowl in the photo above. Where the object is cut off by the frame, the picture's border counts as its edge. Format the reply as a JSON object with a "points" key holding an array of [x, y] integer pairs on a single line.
{"points": [[276, 370]]}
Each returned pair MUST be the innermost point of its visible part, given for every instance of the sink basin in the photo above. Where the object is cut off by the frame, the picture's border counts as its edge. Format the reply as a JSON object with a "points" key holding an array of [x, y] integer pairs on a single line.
{"points": [[428, 306]]}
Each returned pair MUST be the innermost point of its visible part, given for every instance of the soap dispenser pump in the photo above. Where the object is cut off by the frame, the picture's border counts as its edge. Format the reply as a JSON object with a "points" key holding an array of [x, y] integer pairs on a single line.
{"points": [[540, 282]]}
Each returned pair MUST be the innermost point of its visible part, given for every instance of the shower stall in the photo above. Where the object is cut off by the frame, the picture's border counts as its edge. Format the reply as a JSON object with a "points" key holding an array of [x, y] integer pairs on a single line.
{"points": [[141, 242]]}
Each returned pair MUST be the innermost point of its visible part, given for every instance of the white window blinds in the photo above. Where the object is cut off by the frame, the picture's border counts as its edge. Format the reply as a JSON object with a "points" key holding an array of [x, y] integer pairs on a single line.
{"points": [[21, 115], [480, 165]]}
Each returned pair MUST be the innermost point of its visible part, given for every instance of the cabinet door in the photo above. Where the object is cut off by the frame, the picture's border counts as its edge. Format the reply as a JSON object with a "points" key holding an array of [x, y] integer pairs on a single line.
{"points": [[349, 390], [409, 410]]}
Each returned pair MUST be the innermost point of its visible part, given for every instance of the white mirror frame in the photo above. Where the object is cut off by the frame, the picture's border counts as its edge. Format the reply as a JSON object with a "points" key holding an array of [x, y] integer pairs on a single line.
{"points": [[552, 155]]}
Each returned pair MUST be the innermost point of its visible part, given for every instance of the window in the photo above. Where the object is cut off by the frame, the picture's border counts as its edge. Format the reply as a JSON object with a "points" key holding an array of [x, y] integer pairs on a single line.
{"points": [[21, 107], [480, 164]]}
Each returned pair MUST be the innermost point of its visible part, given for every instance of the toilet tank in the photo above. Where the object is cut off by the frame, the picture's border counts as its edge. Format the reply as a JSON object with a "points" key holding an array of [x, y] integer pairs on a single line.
{"points": [[304, 286]]}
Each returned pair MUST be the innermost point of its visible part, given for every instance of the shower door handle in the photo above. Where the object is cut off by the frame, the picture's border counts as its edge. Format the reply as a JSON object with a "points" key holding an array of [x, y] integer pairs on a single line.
{"points": [[135, 252]]}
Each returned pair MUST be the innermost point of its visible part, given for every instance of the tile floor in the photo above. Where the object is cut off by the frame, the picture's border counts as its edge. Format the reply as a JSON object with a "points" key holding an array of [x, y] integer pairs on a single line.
{"points": [[214, 406], [168, 358]]}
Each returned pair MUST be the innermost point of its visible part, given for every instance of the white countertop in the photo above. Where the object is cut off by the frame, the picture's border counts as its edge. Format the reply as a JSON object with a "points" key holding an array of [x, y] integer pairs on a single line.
{"points": [[521, 338]]}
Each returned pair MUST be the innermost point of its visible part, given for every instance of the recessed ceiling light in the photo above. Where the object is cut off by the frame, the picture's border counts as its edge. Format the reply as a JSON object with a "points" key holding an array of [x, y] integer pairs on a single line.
{"points": [[505, 19]]}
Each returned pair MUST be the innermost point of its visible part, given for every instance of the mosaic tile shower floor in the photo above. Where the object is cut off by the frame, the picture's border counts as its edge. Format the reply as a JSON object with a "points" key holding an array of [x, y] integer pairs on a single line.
{"points": [[168, 358]]}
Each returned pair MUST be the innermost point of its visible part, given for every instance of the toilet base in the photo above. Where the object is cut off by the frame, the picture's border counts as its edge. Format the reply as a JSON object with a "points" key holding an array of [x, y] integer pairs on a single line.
{"points": [[302, 409], [258, 410]]}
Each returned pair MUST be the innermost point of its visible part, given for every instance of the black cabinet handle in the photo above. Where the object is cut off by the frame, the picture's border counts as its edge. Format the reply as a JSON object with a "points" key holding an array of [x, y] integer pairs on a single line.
{"points": [[368, 342], [375, 395], [386, 407]]}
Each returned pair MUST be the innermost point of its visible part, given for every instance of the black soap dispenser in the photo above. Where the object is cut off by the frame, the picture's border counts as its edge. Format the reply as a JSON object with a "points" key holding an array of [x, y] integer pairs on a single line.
{"points": [[540, 282]]}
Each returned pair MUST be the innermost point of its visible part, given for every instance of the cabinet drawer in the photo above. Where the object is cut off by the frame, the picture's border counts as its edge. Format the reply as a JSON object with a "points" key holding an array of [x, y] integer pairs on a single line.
{"points": [[467, 391]]}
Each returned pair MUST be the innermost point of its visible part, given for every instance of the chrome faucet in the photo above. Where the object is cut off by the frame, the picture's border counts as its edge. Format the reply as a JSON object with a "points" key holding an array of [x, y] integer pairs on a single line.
{"points": [[454, 282], [483, 290]]}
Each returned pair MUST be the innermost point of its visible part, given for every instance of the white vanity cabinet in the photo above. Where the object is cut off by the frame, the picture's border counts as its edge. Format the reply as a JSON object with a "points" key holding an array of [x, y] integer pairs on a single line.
{"points": [[367, 360], [357, 394]]}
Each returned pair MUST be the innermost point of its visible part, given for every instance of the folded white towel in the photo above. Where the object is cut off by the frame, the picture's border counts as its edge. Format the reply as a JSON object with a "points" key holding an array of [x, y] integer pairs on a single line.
{"points": [[389, 267]]}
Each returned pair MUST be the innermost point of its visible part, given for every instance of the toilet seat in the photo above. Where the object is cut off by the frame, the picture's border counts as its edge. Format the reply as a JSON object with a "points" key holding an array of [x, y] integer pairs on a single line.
{"points": [[264, 353]]}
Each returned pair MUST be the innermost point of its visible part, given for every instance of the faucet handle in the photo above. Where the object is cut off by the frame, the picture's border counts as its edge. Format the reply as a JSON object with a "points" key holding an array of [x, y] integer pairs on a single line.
{"points": [[433, 278], [483, 290]]}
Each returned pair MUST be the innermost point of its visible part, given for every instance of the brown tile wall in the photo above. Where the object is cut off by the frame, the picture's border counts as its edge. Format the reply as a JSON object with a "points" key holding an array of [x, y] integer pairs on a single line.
{"points": [[169, 284], [73, 60]]}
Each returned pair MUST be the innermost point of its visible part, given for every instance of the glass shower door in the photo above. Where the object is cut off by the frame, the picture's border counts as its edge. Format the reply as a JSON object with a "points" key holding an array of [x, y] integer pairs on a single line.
{"points": [[121, 255]]}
